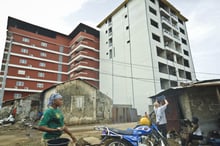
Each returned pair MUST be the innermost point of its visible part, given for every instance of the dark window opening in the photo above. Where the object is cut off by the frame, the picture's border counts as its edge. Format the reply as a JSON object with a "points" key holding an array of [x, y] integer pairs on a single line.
{"points": [[154, 23], [186, 63], [153, 1], [155, 37], [184, 41], [186, 52], [153, 11], [180, 21], [188, 76], [182, 31]]}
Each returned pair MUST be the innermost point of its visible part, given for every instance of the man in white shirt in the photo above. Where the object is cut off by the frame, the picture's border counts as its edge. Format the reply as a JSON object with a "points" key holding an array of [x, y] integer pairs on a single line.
{"points": [[161, 120]]}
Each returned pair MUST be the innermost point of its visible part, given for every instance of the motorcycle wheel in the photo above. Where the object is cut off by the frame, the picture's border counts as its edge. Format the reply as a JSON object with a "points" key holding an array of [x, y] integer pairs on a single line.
{"points": [[116, 142], [162, 142]]}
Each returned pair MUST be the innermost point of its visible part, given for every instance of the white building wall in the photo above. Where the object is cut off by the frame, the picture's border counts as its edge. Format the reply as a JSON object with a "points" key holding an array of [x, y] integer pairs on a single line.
{"points": [[130, 74]]}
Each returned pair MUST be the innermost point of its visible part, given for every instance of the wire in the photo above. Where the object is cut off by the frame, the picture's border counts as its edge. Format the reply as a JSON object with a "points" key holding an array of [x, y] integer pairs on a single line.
{"points": [[139, 66]]}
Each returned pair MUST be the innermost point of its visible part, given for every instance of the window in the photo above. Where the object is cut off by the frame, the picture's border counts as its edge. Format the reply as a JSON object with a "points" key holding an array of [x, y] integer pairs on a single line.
{"points": [[42, 64], [188, 76], [164, 83], [110, 31], [180, 21], [80, 102], [19, 83], [23, 61], [154, 23], [173, 84], [127, 27], [110, 54], [153, 1], [184, 41], [155, 37], [41, 74], [43, 54], [162, 68], [186, 52], [24, 50], [17, 95], [126, 16], [182, 31], [186, 63], [27, 40], [110, 42], [172, 70], [21, 72], [153, 11], [43, 44], [40, 85]]}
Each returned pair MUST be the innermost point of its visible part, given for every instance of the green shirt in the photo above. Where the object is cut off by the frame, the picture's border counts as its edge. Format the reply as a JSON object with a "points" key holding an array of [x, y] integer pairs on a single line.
{"points": [[52, 118]]}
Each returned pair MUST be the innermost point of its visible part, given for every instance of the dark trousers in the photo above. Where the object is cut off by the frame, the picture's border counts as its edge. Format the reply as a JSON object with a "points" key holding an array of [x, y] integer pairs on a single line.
{"points": [[194, 137], [163, 129]]}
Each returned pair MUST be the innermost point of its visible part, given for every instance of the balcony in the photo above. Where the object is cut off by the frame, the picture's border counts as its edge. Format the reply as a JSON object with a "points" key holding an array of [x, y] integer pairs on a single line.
{"points": [[164, 11], [82, 45], [86, 75], [164, 19], [170, 35], [84, 55], [167, 32], [84, 65]]}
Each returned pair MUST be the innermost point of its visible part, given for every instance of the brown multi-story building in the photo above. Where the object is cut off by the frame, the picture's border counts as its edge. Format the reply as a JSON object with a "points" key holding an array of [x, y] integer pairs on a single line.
{"points": [[36, 58]]}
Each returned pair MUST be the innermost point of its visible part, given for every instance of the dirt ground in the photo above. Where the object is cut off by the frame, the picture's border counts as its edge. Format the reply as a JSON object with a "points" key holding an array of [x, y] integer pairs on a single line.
{"points": [[17, 135], [20, 135]]}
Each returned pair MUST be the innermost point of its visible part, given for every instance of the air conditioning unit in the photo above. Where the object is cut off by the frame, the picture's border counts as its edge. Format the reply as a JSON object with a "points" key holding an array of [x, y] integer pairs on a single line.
{"points": [[26, 88], [27, 76]]}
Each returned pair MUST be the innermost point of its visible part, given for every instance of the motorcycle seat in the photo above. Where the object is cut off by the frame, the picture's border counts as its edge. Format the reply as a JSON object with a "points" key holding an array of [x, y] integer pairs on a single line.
{"points": [[123, 132]]}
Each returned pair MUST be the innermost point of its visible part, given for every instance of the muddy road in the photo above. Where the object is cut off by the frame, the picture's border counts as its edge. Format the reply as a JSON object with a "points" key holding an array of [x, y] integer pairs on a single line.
{"points": [[17, 135]]}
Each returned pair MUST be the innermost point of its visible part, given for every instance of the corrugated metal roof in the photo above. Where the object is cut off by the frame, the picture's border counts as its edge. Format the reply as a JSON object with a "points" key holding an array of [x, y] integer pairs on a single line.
{"points": [[213, 82]]}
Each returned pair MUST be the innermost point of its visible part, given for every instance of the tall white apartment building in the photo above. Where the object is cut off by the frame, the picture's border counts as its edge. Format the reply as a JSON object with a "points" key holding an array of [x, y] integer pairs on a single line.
{"points": [[144, 49]]}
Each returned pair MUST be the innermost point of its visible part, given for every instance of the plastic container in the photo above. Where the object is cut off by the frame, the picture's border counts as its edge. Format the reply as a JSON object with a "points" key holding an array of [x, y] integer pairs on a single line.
{"points": [[58, 142], [160, 98]]}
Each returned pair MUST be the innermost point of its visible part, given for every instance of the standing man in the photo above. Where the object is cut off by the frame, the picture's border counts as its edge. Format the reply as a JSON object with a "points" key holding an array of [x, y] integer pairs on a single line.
{"points": [[160, 106]]}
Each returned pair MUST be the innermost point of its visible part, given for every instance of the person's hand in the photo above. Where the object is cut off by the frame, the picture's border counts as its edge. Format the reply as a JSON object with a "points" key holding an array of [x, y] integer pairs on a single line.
{"points": [[73, 139], [60, 128]]}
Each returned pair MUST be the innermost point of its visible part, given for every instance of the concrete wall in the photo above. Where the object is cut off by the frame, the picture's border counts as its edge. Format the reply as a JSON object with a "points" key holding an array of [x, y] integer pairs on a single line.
{"points": [[82, 103], [202, 102]]}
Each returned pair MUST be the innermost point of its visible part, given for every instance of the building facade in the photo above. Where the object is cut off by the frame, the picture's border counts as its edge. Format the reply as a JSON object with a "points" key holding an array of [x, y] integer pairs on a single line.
{"points": [[144, 49], [36, 58]]}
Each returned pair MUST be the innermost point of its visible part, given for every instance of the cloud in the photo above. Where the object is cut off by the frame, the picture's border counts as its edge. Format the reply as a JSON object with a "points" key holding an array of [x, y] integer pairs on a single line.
{"points": [[49, 13]]}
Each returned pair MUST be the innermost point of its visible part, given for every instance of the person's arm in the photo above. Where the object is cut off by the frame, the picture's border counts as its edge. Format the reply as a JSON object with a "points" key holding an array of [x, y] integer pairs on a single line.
{"points": [[47, 129], [164, 106], [194, 128], [166, 102], [66, 130]]}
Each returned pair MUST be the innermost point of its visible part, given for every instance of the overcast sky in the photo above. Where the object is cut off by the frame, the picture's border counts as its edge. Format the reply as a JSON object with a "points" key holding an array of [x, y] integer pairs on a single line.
{"points": [[63, 16]]}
